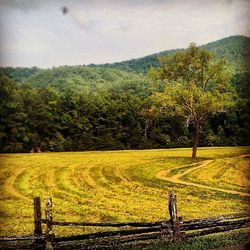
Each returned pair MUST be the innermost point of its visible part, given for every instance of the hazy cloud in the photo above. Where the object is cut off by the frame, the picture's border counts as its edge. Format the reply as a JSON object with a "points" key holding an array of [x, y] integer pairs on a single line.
{"points": [[36, 32]]}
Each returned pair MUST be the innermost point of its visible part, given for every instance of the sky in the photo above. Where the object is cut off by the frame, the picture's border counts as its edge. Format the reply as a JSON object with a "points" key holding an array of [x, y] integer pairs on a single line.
{"points": [[47, 33]]}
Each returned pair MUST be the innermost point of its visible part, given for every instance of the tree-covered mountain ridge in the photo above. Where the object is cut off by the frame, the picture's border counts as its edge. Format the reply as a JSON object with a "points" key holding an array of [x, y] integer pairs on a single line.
{"points": [[235, 49], [112, 106]]}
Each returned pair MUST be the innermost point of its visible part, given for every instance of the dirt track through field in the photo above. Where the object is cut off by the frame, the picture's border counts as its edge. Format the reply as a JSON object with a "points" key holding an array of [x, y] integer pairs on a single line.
{"points": [[177, 177]]}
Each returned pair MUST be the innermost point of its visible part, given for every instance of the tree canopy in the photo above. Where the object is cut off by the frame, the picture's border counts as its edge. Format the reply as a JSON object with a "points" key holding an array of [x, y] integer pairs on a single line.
{"points": [[196, 86], [74, 108]]}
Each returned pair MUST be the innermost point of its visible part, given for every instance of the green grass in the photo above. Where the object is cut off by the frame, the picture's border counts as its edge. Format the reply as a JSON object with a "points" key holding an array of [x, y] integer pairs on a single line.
{"points": [[110, 186], [235, 238], [205, 242]]}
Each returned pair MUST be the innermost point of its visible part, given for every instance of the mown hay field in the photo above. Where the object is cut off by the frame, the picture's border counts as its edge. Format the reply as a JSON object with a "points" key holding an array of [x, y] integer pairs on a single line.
{"points": [[116, 186]]}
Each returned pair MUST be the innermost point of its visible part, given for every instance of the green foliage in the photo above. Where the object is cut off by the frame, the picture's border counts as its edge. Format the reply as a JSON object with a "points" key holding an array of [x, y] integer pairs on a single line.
{"points": [[71, 77], [197, 86], [235, 238], [235, 49], [109, 106]]}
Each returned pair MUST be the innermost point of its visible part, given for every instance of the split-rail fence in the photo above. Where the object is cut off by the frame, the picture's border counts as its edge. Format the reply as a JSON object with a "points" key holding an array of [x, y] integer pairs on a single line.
{"points": [[173, 228]]}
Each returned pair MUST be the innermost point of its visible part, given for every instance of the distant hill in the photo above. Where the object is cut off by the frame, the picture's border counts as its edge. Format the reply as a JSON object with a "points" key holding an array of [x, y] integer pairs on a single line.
{"points": [[97, 107], [77, 77], [139, 65], [236, 49]]}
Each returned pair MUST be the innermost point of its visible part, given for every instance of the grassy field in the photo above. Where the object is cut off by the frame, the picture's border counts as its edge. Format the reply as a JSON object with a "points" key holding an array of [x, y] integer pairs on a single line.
{"points": [[229, 173], [120, 185]]}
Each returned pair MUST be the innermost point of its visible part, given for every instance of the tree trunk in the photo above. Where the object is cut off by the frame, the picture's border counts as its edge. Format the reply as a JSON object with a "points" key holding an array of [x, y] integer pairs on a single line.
{"points": [[146, 129], [145, 132], [195, 142]]}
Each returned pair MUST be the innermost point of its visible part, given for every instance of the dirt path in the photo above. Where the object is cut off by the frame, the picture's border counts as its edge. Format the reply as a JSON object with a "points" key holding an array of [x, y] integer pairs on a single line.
{"points": [[177, 178]]}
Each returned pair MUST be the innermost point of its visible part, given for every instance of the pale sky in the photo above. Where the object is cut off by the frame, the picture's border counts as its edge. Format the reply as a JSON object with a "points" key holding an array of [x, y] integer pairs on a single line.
{"points": [[37, 33]]}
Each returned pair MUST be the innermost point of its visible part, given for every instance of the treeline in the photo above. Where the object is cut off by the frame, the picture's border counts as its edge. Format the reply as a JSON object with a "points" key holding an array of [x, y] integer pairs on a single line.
{"points": [[118, 117], [109, 107], [235, 49]]}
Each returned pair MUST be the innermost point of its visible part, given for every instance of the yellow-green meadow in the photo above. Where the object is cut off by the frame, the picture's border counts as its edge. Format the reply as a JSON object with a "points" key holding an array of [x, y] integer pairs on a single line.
{"points": [[121, 185]]}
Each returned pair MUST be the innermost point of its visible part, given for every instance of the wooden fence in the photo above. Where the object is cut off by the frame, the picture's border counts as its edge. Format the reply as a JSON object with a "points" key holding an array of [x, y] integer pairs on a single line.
{"points": [[173, 228]]}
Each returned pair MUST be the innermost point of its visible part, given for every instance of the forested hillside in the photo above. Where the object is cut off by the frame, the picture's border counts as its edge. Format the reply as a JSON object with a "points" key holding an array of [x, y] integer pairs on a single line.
{"points": [[235, 49], [107, 106], [71, 77]]}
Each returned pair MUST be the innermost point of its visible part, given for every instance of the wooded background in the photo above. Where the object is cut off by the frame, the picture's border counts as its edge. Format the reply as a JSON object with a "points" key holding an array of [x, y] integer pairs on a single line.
{"points": [[104, 107]]}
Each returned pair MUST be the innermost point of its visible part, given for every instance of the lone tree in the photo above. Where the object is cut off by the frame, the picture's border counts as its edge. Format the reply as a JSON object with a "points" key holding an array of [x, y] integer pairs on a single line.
{"points": [[195, 85]]}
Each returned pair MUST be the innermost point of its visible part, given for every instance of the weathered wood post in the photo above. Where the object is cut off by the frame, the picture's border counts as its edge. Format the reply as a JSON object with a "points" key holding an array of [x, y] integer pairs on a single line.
{"points": [[172, 207], [37, 222], [49, 223], [37, 216]]}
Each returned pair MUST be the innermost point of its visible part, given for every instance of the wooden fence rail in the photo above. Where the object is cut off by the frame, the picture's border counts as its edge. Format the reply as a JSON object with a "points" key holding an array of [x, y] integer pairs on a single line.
{"points": [[120, 224], [173, 228]]}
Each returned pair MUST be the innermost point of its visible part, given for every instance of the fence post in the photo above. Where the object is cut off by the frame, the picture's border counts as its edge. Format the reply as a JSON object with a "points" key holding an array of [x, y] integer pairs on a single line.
{"points": [[49, 222], [37, 216], [37, 223], [172, 207]]}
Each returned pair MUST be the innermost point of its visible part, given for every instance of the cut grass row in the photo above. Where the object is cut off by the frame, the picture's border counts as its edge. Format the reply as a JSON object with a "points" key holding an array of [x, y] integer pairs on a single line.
{"points": [[232, 173]]}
